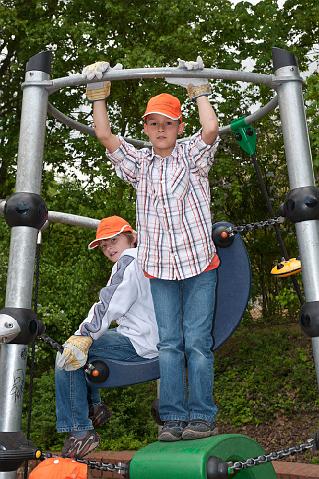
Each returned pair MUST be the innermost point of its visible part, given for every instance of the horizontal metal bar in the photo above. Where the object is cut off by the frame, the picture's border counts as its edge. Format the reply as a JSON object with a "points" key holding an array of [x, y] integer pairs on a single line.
{"points": [[72, 220], [169, 72], [256, 116], [63, 218]]}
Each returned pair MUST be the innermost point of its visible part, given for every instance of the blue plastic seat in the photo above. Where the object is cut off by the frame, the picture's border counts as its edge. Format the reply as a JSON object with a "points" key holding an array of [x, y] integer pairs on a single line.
{"points": [[233, 288], [232, 295]]}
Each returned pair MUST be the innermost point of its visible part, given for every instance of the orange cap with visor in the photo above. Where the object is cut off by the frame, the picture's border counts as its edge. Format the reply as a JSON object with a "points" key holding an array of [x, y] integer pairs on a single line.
{"points": [[110, 227], [164, 104]]}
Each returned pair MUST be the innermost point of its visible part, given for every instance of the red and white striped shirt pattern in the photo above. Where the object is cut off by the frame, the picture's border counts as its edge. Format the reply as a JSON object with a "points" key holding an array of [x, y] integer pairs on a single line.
{"points": [[173, 215]]}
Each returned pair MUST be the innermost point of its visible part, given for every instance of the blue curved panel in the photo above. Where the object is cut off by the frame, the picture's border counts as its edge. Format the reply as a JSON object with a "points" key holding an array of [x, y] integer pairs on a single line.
{"points": [[232, 295], [233, 288]]}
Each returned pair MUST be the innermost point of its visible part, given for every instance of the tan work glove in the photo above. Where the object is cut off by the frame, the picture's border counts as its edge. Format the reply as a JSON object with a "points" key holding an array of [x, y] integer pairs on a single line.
{"points": [[75, 353], [195, 86], [98, 90]]}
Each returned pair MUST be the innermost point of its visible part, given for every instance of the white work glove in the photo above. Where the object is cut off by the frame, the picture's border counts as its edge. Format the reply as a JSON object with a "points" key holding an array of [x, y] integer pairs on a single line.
{"points": [[98, 90], [196, 87], [198, 65], [75, 353]]}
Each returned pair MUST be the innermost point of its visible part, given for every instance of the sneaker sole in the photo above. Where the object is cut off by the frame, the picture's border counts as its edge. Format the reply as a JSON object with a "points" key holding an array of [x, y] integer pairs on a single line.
{"points": [[188, 435], [168, 437]]}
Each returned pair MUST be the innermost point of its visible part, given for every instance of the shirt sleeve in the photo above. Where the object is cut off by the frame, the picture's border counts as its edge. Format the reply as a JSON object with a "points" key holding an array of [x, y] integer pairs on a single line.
{"points": [[201, 155], [126, 162], [115, 300]]}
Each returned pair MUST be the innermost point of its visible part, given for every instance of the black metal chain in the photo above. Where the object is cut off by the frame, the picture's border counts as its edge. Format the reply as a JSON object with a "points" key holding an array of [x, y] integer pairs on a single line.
{"points": [[119, 467], [265, 224], [54, 345], [272, 456], [123, 468], [258, 225]]}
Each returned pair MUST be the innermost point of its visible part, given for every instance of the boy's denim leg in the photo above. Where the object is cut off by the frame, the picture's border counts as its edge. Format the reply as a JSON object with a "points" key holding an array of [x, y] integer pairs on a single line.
{"points": [[73, 394], [72, 409], [198, 307], [168, 309]]}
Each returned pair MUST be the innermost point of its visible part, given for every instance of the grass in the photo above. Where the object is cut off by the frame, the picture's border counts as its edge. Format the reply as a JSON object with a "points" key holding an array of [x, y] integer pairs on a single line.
{"points": [[264, 371]]}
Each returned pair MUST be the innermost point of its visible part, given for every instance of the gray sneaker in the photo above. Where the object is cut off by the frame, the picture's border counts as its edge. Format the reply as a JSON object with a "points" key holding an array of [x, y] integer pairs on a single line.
{"points": [[172, 431], [198, 428], [78, 447]]}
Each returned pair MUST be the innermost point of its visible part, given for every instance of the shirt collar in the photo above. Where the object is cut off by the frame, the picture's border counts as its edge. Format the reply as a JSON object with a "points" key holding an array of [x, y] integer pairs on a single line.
{"points": [[152, 155]]}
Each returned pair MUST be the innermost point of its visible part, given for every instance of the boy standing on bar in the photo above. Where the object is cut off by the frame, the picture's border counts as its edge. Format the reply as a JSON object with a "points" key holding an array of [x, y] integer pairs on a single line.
{"points": [[175, 247]]}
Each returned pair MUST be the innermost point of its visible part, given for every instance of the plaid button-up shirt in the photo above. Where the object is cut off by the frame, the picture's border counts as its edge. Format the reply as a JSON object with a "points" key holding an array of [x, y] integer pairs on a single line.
{"points": [[172, 206]]}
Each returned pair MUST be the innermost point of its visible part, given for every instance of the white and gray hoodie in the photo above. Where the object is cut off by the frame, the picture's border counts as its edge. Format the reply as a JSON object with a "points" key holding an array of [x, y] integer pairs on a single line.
{"points": [[127, 300]]}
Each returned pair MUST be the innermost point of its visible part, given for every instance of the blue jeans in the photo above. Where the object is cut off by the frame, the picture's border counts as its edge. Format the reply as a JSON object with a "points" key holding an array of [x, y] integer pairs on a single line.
{"points": [[184, 313], [73, 394]]}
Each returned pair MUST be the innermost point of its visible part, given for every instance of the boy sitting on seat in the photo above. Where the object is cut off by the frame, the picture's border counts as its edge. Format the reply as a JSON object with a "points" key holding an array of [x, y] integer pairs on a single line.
{"points": [[127, 300]]}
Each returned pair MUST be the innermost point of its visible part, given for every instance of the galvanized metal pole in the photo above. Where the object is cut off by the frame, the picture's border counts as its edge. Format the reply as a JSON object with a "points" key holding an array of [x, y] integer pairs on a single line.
{"points": [[300, 169], [23, 240]]}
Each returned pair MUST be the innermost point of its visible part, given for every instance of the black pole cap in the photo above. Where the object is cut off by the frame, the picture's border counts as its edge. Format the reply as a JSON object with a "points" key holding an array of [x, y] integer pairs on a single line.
{"points": [[40, 62], [216, 468], [282, 58]]}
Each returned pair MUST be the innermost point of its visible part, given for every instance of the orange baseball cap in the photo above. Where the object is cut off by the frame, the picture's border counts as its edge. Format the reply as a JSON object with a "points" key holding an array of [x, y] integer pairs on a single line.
{"points": [[110, 227], [164, 104]]}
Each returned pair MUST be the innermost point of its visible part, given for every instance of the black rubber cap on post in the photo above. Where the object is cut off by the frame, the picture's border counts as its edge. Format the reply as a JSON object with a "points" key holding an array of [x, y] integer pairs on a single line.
{"points": [[216, 468], [282, 58], [40, 62]]}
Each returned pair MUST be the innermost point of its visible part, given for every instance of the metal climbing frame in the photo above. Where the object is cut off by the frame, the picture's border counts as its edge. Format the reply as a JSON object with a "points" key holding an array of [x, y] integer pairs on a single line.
{"points": [[37, 87]]}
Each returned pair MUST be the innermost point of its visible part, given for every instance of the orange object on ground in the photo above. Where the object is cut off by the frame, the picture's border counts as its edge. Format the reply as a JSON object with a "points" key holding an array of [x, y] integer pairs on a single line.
{"points": [[59, 468]]}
